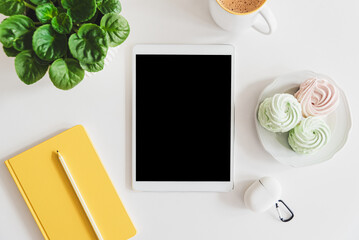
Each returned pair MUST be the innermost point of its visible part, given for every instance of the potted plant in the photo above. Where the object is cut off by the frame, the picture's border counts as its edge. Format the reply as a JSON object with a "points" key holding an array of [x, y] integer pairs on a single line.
{"points": [[66, 37]]}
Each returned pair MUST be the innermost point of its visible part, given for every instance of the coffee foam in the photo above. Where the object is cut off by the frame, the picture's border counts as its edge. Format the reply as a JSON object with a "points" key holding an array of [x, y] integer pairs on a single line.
{"points": [[241, 6]]}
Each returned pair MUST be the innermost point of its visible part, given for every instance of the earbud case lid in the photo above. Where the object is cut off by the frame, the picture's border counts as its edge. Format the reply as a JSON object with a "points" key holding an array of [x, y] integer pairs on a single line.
{"points": [[262, 194]]}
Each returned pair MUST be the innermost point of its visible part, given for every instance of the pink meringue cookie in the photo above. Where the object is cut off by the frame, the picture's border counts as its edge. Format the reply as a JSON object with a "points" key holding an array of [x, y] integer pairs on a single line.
{"points": [[318, 97]]}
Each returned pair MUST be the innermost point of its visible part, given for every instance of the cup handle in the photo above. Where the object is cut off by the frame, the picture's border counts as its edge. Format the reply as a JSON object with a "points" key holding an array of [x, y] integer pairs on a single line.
{"points": [[269, 18]]}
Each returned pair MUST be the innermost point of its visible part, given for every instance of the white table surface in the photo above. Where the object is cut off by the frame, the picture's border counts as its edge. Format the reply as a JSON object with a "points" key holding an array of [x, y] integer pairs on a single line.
{"points": [[319, 35]]}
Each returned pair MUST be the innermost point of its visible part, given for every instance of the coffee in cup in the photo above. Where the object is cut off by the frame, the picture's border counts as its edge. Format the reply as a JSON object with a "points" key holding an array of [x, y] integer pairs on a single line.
{"points": [[240, 15], [241, 6]]}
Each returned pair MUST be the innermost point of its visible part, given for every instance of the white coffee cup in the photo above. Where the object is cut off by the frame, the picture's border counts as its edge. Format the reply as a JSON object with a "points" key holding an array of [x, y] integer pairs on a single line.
{"points": [[239, 22]]}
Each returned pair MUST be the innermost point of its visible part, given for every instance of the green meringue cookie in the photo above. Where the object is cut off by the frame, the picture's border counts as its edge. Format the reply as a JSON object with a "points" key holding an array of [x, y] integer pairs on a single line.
{"points": [[280, 113], [309, 136]]}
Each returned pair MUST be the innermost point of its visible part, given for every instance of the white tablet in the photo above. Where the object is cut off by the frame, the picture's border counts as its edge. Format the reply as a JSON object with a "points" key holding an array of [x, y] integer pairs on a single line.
{"points": [[183, 117]]}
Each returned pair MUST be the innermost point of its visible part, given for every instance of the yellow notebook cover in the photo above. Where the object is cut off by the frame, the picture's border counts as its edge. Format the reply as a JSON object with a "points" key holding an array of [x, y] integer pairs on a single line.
{"points": [[51, 199]]}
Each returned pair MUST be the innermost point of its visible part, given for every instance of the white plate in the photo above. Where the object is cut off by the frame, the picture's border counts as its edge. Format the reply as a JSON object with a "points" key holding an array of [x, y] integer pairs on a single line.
{"points": [[277, 143]]}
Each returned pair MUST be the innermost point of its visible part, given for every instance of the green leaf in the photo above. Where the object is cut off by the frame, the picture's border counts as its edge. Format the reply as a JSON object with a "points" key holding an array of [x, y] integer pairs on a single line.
{"points": [[39, 2], [66, 73], [23, 42], [14, 27], [110, 6], [11, 52], [46, 12], [12, 7], [94, 67], [62, 23], [89, 44], [80, 10], [29, 67], [116, 27], [98, 2], [48, 44]]}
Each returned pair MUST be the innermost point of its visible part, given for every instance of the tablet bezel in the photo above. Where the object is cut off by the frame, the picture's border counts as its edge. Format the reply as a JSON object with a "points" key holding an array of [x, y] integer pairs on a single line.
{"points": [[160, 49]]}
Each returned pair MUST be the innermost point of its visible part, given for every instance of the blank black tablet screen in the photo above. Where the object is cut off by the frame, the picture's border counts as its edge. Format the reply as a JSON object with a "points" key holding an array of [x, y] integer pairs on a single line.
{"points": [[183, 117]]}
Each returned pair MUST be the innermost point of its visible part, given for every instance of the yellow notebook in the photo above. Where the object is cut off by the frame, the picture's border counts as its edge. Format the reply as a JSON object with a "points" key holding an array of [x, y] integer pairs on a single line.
{"points": [[53, 202]]}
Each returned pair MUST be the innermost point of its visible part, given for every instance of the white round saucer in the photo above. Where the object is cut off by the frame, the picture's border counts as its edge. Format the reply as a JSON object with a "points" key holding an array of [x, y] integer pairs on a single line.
{"points": [[277, 143]]}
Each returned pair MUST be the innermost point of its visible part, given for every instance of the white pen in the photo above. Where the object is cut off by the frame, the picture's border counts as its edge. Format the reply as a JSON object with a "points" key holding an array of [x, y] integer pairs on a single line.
{"points": [[79, 196]]}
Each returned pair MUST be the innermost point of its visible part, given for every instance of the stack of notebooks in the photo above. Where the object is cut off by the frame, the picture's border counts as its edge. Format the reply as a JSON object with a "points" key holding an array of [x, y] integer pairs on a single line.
{"points": [[52, 199]]}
